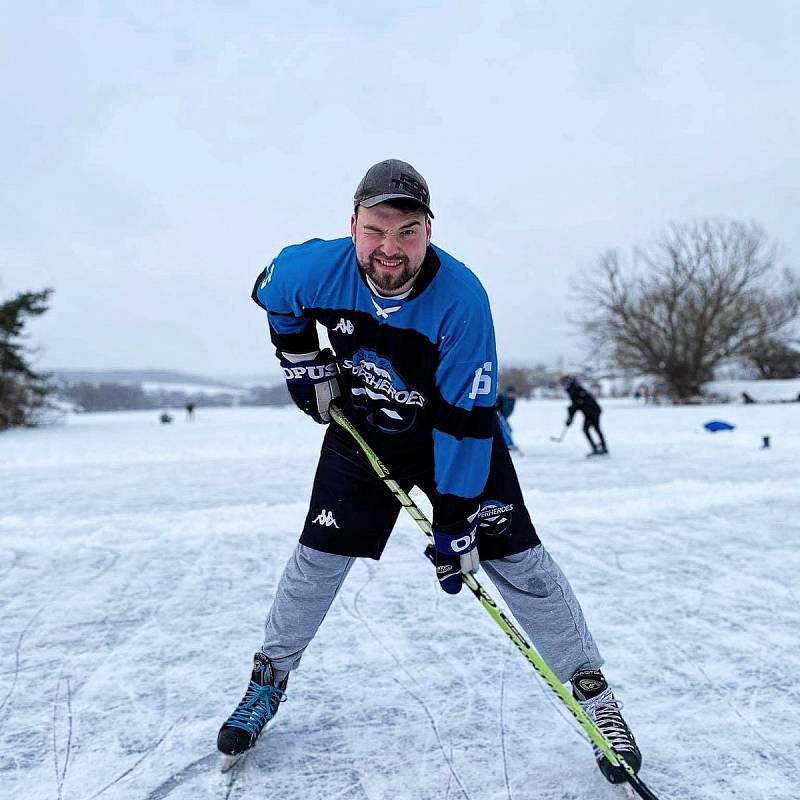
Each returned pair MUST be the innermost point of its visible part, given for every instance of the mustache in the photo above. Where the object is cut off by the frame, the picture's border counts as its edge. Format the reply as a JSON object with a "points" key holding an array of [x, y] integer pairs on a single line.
{"points": [[402, 259]]}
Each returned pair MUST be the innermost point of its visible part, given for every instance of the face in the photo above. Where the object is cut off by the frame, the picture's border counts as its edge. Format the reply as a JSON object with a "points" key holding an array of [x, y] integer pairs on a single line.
{"points": [[390, 245]]}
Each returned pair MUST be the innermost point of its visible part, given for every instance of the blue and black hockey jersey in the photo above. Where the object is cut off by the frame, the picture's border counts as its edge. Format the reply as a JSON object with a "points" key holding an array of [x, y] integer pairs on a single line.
{"points": [[419, 374]]}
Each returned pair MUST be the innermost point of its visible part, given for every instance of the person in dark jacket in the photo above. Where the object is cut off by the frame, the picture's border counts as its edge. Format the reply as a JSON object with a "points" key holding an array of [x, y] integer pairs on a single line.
{"points": [[506, 401], [583, 400]]}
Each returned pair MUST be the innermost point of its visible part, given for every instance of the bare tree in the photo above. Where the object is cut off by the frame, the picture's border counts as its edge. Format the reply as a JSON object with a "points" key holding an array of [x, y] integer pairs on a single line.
{"points": [[525, 379], [774, 359], [701, 293]]}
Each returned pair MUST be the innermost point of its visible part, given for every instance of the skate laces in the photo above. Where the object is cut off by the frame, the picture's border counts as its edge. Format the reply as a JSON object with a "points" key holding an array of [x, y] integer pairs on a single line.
{"points": [[258, 707], [605, 711]]}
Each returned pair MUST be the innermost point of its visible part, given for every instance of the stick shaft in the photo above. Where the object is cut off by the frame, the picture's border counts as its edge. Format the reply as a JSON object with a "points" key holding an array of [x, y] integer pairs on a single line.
{"points": [[497, 614]]}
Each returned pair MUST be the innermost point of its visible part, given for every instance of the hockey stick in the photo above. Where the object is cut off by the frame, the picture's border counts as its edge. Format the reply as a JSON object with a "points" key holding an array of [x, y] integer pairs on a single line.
{"points": [[561, 437], [497, 614]]}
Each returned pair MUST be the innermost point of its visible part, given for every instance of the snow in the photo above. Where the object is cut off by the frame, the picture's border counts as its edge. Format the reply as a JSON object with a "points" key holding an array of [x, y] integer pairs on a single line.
{"points": [[772, 391], [137, 562]]}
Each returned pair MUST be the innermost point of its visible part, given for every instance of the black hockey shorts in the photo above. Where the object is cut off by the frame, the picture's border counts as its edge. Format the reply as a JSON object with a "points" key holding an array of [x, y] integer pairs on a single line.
{"points": [[352, 512]]}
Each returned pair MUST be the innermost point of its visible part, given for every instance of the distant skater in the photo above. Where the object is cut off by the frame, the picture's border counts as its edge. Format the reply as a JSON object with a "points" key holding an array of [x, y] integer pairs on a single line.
{"points": [[506, 401], [189, 412], [584, 401]]}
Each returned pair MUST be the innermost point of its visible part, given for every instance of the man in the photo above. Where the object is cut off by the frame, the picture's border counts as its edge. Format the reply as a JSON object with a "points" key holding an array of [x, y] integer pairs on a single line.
{"points": [[505, 408], [583, 400], [506, 401], [414, 369]]}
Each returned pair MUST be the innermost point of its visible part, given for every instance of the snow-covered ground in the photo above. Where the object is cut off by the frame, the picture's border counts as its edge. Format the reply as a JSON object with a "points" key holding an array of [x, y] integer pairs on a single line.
{"points": [[137, 561], [773, 391]]}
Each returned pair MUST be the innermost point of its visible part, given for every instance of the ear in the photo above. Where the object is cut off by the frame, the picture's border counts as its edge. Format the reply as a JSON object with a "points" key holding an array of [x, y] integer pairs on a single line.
{"points": [[428, 229], [353, 228]]}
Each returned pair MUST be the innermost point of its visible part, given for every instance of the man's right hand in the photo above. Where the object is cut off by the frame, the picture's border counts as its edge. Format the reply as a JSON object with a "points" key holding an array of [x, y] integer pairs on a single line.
{"points": [[313, 382], [454, 552]]}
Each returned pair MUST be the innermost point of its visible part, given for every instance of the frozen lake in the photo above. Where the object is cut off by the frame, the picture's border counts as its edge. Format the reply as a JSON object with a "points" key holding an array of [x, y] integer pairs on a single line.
{"points": [[137, 562]]}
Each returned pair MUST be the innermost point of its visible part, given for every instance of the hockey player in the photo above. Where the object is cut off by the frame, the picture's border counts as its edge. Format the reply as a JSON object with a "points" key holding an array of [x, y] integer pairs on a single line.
{"points": [[414, 368], [505, 408], [582, 400], [506, 401]]}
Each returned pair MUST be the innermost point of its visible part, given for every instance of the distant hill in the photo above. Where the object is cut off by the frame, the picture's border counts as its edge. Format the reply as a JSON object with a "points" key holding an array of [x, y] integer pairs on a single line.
{"points": [[119, 390], [139, 376]]}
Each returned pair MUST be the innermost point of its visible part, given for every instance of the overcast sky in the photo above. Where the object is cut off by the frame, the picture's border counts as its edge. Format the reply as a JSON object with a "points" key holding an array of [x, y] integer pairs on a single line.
{"points": [[156, 156]]}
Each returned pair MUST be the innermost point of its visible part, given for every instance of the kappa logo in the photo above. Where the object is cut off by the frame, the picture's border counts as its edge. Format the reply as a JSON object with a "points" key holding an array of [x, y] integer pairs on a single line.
{"points": [[345, 326], [325, 518], [383, 313]]}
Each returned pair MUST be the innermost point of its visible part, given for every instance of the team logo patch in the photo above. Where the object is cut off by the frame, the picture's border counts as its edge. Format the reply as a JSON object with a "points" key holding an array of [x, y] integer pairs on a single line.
{"points": [[382, 312], [494, 517], [391, 404]]}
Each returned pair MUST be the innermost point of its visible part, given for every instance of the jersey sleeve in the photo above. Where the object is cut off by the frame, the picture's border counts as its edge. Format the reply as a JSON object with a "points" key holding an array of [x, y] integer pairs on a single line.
{"points": [[464, 422], [279, 291]]}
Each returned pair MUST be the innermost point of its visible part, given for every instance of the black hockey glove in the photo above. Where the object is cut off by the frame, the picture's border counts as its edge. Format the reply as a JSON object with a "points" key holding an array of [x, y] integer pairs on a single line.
{"points": [[454, 552], [313, 383]]}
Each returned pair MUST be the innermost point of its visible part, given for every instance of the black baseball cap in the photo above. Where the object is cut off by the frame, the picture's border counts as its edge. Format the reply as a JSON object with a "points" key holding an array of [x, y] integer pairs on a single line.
{"points": [[392, 180]]}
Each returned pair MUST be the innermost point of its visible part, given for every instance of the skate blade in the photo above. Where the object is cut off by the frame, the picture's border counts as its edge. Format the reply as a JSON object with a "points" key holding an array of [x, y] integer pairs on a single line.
{"points": [[229, 762]]}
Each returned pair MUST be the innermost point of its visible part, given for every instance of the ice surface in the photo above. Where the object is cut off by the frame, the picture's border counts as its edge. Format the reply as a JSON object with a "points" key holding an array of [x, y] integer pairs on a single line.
{"points": [[137, 561]]}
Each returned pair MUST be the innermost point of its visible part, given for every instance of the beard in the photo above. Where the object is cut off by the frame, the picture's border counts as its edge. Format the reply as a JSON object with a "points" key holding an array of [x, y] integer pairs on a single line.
{"points": [[388, 282]]}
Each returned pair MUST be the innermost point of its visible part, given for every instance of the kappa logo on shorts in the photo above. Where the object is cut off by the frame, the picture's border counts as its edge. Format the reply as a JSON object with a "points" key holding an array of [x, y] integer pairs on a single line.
{"points": [[325, 518], [345, 326]]}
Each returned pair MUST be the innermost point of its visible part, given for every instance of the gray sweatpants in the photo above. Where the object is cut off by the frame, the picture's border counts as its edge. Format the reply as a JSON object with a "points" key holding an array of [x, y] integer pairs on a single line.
{"points": [[531, 583]]}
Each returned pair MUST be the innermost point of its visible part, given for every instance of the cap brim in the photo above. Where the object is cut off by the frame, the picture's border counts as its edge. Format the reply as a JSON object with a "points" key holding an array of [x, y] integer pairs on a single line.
{"points": [[383, 198]]}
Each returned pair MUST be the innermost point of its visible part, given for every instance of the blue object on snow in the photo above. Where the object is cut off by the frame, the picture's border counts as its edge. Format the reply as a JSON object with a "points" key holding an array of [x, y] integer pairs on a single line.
{"points": [[718, 425]]}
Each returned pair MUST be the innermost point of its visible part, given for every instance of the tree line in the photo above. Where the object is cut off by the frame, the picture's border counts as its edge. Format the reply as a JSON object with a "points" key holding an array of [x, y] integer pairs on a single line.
{"points": [[109, 396], [699, 295]]}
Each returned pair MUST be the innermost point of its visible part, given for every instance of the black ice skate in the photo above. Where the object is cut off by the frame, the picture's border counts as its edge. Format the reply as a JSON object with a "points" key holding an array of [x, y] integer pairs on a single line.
{"points": [[590, 689], [256, 710]]}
